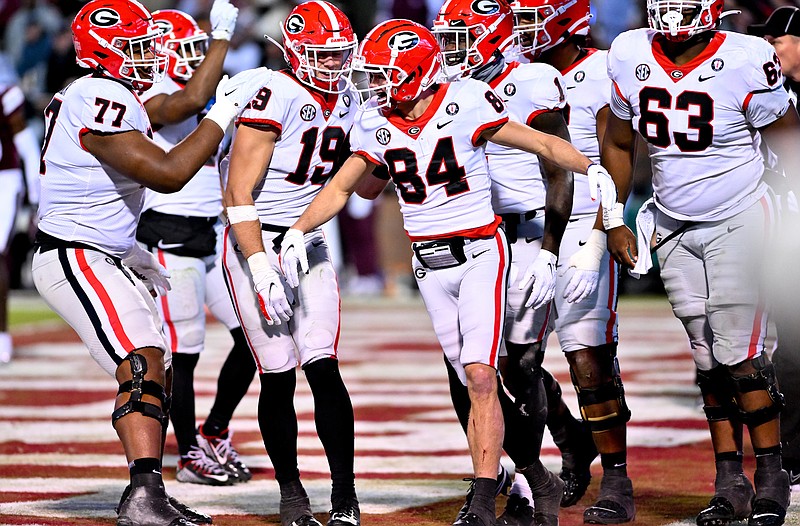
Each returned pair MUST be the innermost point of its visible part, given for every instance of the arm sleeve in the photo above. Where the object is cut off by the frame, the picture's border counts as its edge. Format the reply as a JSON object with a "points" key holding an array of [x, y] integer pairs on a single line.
{"points": [[766, 100]]}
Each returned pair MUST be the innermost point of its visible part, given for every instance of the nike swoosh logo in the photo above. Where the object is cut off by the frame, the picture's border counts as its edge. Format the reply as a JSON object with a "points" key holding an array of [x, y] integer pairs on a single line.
{"points": [[343, 113], [703, 79], [581, 243], [316, 243], [440, 125], [734, 227], [532, 239], [167, 246], [571, 87], [759, 515], [475, 256], [228, 93]]}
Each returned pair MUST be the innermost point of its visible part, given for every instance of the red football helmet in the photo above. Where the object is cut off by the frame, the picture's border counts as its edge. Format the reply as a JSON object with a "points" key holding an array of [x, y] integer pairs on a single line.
{"points": [[400, 58], [118, 38], [315, 32], [680, 20], [184, 38], [542, 24], [470, 32]]}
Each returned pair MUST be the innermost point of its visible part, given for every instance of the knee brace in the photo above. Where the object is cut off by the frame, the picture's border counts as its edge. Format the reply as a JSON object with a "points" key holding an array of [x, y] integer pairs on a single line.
{"points": [[526, 381], [763, 379], [605, 368], [137, 386], [716, 383]]}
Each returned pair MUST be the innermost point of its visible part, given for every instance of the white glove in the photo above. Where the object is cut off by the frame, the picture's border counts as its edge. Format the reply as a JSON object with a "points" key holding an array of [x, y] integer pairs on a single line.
{"points": [[586, 263], [293, 254], [147, 268], [233, 94], [223, 19], [271, 292], [599, 178], [542, 274]]}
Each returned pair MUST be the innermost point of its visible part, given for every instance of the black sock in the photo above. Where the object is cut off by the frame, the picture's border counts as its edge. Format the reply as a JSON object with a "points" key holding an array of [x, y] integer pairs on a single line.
{"points": [[482, 503], [615, 464], [333, 415], [278, 423], [768, 459], [234, 379], [145, 472], [182, 413]]}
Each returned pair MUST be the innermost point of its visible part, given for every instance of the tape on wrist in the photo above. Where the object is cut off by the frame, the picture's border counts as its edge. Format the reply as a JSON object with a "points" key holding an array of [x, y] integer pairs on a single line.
{"points": [[258, 262], [239, 214], [613, 218]]}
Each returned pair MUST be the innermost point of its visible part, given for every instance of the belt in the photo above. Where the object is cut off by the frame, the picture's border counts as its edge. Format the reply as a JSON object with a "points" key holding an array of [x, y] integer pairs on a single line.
{"points": [[510, 222], [44, 242], [280, 230]]}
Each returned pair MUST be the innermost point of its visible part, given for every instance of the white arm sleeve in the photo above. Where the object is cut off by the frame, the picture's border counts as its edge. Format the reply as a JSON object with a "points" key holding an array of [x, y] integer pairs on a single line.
{"points": [[29, 149]]}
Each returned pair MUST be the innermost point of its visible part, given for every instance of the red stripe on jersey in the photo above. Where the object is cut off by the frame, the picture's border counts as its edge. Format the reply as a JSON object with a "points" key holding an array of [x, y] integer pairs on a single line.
{"points": [[668, 66], [612, 318], [476, 137], [480, 232], [589, 53], [81, 133], [105, 300], [619, 93], [533, 115], [499, 299], [759, 322], [499, 78], [543, 331], [232, 288], [173, 336], [267, 123], [368, 157], [399, 122], [746, 102]]}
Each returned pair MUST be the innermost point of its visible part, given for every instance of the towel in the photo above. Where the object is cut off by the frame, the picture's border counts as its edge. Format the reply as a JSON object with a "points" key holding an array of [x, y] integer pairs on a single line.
{"points": [[645, 226]]}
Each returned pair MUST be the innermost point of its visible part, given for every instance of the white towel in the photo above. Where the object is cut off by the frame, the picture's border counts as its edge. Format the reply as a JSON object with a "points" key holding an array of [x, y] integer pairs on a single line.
{"points": [[645, 226]]}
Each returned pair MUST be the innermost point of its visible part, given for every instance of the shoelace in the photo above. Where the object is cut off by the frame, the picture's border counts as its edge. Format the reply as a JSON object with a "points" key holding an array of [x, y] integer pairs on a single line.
{"points": [[348, 514], [205, 464]]}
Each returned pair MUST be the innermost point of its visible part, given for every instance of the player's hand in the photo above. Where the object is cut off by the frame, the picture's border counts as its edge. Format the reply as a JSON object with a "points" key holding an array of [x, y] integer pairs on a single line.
{"points": [[586, 265], [271, 293], [223, 19], [622, 246], [293, 255], [233, 94], [600, 179], [147, 268], [542, 275]]}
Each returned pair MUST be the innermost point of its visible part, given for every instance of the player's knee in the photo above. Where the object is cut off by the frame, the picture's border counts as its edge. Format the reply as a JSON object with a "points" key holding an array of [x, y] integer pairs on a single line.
{"points": [[142, 395], [718, 396], [756, 391], [601, 395], [592, 367], [481, 380]]}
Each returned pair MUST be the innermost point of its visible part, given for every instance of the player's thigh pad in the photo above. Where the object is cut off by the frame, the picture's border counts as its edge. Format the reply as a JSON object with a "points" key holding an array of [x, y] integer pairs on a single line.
{"points": [[523, 324], [272, 345], [593, 321], [111, 310], [11, 184], [182, 307]]}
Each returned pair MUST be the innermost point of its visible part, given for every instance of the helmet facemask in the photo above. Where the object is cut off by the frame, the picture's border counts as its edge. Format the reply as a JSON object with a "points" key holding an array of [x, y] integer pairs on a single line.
{"points": [[143, 61], [530, 30], [313, 71], [679, 20], [190, 53], [372, 81]]}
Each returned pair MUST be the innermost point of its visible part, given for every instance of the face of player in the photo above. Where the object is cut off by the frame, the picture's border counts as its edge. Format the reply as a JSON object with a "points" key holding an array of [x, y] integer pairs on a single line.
{"points": [[141, 53], [454, 45], [327, 65], [533, 18], [379, 85], [787, 48], [688, 14]]}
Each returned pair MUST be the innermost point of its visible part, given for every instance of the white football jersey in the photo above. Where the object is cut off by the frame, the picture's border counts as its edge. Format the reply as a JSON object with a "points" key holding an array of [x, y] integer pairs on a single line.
{"points": [[82, 199], [202, 195], [311, 133], [437, 161], [588, 91], [528, 91], [700, 119]]}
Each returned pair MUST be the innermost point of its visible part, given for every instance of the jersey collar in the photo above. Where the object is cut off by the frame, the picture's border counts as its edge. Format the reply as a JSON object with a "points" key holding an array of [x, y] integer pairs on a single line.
{"points": [[326, 101], [506, 72], [675, 72], [414, 128], [589, 53]]}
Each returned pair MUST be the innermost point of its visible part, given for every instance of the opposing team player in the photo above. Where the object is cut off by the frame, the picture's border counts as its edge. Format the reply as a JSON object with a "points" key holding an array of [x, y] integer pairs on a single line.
{"points": [[179, 229], [413, 124], [97, 159], [286, 145], [18, 143], [703, 100], [534, 199], [584, 307]]}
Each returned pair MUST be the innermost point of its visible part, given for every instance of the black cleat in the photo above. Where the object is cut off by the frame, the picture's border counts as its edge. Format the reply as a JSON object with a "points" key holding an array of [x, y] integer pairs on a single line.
{"points": [[190, 513], [575, 485], [503, 485], [767, 513], [731, 501], [346, 514], [149, 506], [547, 501], [614, 504], [719, 512], [576, 467], [518, 512], [470, 519]]}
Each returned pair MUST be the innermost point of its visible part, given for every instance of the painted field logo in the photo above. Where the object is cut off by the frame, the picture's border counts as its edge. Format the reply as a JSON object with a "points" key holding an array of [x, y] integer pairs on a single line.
{"points": [[403, 41], [104, 17]]}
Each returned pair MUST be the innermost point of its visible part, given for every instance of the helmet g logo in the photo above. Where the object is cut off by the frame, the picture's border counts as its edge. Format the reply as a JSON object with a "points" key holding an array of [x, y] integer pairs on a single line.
{"points": [[104, 17], [403, 41], [165, 26], [295, 24], [485, 7]]}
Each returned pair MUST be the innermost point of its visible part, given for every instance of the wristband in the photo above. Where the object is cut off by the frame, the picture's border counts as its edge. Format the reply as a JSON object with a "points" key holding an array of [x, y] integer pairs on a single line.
{"points": [[239, 214], [613, 218]]}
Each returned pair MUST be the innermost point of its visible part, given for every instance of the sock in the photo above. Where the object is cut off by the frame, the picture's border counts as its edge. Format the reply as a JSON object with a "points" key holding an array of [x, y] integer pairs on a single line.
{"points": [[333, 415], [234, 379], [145, 472], [615, 464], [768, 459], [182, 413], [482, 503], [520, 487], [278, 423]]}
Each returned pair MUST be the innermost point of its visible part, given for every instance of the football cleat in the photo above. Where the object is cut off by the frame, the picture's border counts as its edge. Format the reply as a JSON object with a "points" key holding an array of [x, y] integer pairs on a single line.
{"points": [[470, 519], [731, 500], [547, 501], [220, 448], [199, 468], [190, 513], [767, 513], [149, 506], [518, 512], [614, 504], [503, 485], [346, 514]]}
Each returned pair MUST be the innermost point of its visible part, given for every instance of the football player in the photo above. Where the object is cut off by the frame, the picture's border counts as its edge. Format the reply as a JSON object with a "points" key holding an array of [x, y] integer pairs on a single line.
{"points": [[704, 100], [411, 124], [534, 200], [18, 142], [285, 148], [180, 230], [584, 307], [96, 161]]}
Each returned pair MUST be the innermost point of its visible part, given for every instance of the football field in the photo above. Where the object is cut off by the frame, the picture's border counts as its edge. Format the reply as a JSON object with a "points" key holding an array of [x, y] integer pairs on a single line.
{"points": [[61, 463]]}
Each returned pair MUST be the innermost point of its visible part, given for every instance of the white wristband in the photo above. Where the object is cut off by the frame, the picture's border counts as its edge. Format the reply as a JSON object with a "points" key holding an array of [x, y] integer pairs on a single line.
{"points": [[258, 263], [613, 218], [239, 214]]}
